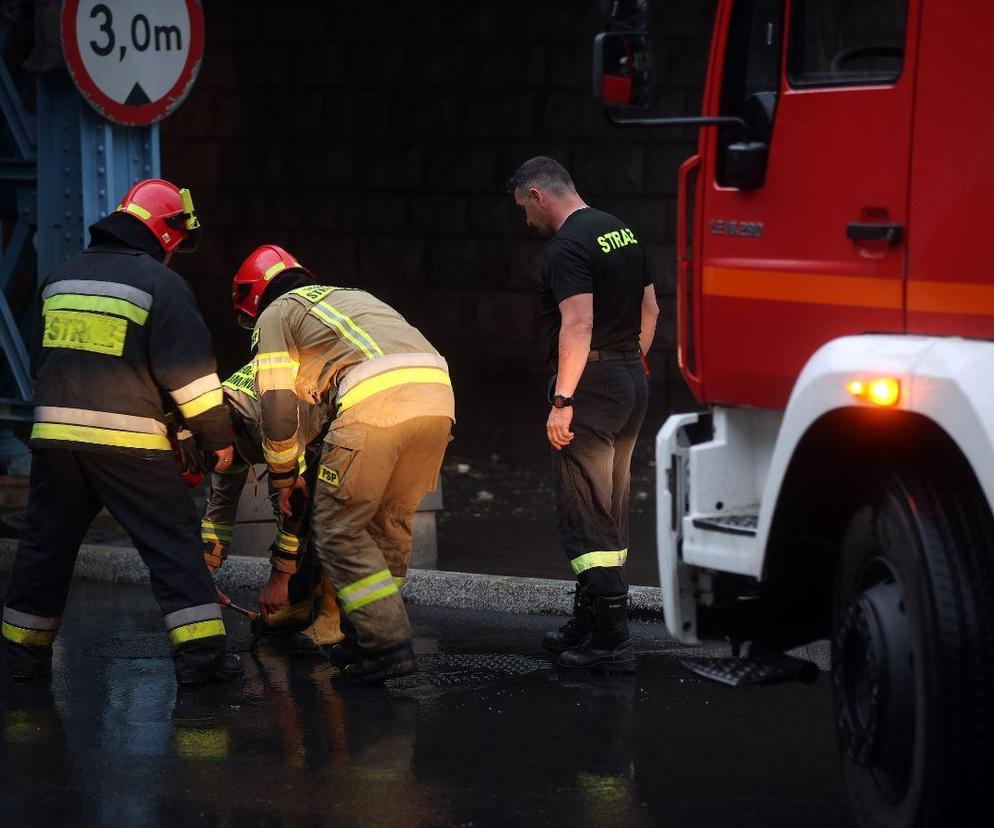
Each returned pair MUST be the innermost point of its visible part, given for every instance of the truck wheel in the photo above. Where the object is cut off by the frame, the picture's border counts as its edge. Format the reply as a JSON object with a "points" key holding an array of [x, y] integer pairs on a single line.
{"points": [[913, 654]]}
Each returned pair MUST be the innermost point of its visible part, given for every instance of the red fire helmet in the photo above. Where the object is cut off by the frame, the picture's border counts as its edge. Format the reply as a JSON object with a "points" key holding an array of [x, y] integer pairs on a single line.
{"points": [[166, 210], [263, 265]]}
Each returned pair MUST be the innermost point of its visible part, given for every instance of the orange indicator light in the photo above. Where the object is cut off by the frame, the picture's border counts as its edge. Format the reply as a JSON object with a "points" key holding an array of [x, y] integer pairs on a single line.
{"points": [[884, 391]]}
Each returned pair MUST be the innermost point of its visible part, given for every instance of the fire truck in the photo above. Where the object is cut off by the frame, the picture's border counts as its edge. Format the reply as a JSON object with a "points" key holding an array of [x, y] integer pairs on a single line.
{"points": [[835, 292]]}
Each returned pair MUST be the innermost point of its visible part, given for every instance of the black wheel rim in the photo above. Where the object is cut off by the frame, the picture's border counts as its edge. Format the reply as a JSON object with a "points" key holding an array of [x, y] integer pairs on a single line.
{"points": [[873, 674]]}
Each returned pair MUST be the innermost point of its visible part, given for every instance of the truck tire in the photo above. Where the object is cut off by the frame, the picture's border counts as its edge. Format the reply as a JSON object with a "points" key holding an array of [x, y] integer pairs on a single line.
{"points": [[913, 653]]}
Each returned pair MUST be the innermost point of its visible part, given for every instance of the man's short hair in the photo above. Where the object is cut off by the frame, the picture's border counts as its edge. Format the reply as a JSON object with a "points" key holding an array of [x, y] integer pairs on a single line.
{"points": [[542, 173]]}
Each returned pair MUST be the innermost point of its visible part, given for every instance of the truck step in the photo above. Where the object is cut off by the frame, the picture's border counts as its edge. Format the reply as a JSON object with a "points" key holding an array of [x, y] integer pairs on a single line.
{"points": [[731, 524], [769, 668]]}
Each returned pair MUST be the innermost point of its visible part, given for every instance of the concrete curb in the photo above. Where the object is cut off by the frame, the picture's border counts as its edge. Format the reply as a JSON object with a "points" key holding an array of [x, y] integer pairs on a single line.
{"points": [[460, 590]]}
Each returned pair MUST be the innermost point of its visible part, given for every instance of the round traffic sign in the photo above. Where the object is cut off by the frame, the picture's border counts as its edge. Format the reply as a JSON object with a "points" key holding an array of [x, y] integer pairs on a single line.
{"points": [[133, 60]]}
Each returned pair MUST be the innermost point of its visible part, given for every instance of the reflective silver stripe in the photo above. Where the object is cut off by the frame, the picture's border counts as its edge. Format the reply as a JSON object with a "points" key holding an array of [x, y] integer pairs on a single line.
{"points": [[98, 419], [28, 621], [194, 389], [183, 434], [191, 615], [379, 365], [118, 291]]}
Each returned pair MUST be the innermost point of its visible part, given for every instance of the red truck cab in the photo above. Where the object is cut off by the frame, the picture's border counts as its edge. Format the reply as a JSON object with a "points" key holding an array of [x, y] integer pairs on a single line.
{"points": [[836, 320]]}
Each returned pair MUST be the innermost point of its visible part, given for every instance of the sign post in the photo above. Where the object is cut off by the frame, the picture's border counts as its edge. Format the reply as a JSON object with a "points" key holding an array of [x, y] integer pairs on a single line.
{"points": [[134, 61]]}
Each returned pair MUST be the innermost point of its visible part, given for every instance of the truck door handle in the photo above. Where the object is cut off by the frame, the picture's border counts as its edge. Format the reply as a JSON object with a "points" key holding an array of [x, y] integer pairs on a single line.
{"points": [[890, 233]]}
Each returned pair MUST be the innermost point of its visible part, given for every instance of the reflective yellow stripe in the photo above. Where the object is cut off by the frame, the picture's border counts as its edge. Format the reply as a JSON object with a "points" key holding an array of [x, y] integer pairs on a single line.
{"points": [[360, 601], [34, 638], [274, 359], [302, 464], [276, 458], [276, 268], [288, 543], [203, 403], [367, 590], [139, 211], [399, 580], [191, 632], [391, 379], [220, 532], [595, 559], [99, 436], [103, 304], [349, 329]]}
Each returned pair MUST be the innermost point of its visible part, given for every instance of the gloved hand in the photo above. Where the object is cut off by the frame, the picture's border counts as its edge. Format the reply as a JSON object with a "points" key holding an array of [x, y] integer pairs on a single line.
{"points": [[214, 555], [189, 456]]}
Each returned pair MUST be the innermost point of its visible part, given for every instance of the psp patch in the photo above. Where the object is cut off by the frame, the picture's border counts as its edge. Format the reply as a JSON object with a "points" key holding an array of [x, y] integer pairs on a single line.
{"points": [[329, 476]]}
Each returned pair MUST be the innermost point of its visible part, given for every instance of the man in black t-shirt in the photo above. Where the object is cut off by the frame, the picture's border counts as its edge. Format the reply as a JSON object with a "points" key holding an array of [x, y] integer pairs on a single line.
{"points": [[599, 316]]}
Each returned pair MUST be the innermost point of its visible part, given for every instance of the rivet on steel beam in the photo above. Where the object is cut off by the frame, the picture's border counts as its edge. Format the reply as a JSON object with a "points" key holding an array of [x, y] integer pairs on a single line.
{"points": [[101, 171], [100, 148], [103, 193]]}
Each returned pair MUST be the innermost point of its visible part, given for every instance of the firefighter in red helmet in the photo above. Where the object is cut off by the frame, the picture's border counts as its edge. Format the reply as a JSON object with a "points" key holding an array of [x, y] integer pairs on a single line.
{"points": [[390, 399], [121, 339]]}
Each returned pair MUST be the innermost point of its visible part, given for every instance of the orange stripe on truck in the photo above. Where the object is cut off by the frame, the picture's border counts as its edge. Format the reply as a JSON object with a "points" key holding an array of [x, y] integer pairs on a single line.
{"points": [[807, 288], [967, 298]]}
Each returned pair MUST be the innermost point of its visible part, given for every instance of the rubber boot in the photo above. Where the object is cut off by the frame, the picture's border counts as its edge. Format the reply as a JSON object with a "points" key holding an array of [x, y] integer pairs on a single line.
{"points": [[577, 631], [610, 649], [200, 662], [375, 667], [325, 630], [28, 662]]}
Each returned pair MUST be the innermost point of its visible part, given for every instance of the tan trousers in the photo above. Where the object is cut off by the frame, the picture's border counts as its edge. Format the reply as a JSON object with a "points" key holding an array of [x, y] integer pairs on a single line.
{"points": [[369, 484]]}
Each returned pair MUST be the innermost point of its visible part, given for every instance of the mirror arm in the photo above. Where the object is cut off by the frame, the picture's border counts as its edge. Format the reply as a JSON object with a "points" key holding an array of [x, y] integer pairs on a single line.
{"points": [[700, 121]]}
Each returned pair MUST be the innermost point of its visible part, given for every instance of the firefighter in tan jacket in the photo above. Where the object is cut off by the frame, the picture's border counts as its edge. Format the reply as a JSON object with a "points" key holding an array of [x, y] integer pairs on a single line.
{"points": [[289, 552], [391, 398]]}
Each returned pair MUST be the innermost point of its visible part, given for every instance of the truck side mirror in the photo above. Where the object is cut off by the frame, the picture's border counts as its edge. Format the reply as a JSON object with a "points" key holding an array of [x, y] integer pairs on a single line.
{"points": [[622, 69], [745, 164]]}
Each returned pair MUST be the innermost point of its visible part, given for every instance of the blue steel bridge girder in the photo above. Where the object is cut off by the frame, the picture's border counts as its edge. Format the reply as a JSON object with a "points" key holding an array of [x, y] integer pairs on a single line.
{"points": [[69, 168]]}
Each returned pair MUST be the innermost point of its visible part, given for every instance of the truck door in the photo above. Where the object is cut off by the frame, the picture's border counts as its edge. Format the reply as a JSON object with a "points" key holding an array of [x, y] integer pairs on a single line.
{"points": [[817, 250]]}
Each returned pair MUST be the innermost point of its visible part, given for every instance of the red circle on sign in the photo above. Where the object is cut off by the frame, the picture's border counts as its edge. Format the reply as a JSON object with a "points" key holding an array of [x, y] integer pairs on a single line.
{"points": [[125, 114]]}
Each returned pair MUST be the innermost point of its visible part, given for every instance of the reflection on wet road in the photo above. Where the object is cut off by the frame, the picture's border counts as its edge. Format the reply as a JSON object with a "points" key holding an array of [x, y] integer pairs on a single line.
{"points": [[485, 734]]}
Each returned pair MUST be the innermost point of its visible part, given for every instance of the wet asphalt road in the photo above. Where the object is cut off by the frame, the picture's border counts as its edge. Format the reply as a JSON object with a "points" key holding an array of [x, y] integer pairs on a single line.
{"points": [[485, 734]]}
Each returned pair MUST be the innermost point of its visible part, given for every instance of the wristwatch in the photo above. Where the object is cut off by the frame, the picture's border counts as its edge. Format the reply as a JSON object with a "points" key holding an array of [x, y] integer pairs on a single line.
{"points": [[559, 401]]}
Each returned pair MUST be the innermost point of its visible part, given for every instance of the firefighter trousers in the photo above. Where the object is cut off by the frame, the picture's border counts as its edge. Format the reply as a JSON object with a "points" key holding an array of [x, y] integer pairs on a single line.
{"points": [[370, 481], [593, 473], [150, 500]]}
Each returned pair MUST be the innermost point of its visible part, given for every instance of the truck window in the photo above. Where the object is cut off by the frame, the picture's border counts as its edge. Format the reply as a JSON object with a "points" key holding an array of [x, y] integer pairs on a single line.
{"points": [[751, 72], [847, 42]]}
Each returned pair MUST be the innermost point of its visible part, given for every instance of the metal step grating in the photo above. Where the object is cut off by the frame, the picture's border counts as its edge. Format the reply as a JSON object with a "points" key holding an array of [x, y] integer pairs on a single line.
{"points": [[730, 524]]}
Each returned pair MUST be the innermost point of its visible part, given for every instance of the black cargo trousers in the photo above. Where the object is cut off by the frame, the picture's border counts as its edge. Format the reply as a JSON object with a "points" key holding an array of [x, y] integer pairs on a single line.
{"points": [[153, 504], [593, 473]]}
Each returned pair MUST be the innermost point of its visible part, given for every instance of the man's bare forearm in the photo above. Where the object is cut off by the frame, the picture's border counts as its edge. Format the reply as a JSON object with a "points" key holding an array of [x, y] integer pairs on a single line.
{"points": [[648, 329], [574, 347]]}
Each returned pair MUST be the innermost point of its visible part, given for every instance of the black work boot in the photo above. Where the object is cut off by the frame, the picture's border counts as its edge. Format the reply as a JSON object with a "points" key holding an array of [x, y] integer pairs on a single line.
{"points": [[577, 631], [610, 649], [27, 661], [199, 663], [347, 651], [376, 666]]}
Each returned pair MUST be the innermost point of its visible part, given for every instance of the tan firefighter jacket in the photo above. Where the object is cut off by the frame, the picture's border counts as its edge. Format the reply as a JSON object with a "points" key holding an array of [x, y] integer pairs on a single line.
{"points": [[345, 348]]}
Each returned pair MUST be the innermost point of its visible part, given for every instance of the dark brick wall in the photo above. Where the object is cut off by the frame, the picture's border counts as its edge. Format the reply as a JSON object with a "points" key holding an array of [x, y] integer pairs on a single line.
{"points": [[373, 140]]}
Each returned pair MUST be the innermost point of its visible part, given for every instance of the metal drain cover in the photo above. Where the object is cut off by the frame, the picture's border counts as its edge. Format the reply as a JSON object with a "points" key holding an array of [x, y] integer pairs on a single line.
{"points": [[136, 644], [468, 669]]}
